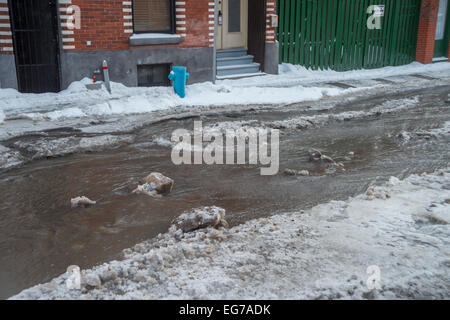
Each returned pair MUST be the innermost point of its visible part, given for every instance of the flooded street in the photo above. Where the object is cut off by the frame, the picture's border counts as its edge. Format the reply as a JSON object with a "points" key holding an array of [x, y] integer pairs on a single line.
{"points": [[40, 234]]}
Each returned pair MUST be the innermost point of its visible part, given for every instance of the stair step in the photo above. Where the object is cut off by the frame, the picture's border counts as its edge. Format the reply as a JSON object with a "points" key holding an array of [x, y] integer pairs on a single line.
{"points": [[238, 69], [235, 52], [241, 75], [248, 59]]}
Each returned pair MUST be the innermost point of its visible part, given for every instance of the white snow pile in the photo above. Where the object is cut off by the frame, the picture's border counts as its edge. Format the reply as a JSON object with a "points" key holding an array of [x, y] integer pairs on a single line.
{"points": [[438, 132], [2, 116], [223, 126], [441, 132], [400, 229], [294, 84], [304, 122], [287, 87], [10, 158], [239, 129], [42, 148], [199, 218], [79, 102], [291, 75]]}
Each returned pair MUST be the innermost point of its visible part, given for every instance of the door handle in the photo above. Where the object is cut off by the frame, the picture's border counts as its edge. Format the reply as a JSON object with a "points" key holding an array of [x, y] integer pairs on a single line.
{"points": [[220, 18]]}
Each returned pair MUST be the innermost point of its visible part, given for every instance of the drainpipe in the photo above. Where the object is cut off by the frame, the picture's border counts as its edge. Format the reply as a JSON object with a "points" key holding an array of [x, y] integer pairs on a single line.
{"points": [[215, 45]]}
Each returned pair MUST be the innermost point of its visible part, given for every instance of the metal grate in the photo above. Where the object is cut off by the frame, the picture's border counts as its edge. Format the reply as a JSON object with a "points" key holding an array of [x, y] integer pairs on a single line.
{"points": [[153, 75], [35, 36]]}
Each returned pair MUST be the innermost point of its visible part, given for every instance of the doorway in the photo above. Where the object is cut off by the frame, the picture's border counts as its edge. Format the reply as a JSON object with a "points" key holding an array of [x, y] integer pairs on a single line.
{"points": [[442, 31], [34, 26], [232, 29]]}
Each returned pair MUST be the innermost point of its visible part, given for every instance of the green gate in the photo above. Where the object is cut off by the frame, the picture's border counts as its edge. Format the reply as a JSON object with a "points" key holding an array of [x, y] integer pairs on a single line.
{"points": [[334, 34]]}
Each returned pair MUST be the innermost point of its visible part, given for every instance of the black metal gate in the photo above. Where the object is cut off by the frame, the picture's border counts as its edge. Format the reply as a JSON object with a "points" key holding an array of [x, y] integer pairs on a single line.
{"points": [[257, 30], [34, 26]]}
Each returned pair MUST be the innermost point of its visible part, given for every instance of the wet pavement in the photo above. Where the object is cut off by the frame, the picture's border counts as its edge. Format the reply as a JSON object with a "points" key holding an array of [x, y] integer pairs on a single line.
{"points": [[40, 234]]}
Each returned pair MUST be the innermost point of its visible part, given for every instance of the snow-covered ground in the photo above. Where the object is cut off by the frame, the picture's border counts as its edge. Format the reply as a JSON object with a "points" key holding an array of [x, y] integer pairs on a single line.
{"points": [[292, 75], [127, 109], [287, 87], [78, 102], [401, 229]]}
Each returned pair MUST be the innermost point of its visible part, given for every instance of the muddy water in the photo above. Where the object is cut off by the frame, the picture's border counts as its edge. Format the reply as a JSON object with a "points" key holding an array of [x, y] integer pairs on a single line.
{"points": [[40, 235]]}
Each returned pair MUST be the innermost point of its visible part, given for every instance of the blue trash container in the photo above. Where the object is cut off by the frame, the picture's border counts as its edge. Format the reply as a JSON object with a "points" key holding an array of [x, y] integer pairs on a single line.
{"points": [[179, 75]]}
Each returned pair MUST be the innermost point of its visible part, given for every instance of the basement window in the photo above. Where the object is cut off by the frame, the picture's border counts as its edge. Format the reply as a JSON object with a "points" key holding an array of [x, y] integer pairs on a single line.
{"points": [[154, 16], [153, 75]]}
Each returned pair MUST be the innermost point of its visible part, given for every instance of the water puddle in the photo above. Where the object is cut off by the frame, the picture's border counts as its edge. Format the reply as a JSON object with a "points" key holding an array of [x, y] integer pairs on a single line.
{"points": [[40, 234]]}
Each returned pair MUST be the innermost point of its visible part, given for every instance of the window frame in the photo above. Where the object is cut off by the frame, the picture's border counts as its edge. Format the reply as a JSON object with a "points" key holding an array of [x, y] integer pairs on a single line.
{"points": [[172, 20]]}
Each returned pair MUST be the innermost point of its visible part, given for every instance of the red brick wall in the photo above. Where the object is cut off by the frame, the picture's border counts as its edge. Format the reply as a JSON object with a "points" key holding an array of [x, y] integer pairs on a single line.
{"points": [[427, 31], [6, 46], [108, 24], [102, 24], [197, 32]]}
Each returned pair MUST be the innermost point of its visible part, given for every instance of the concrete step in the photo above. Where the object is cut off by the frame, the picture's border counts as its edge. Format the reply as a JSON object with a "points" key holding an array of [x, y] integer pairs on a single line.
{"points": [[230, 61], [235, 52], [238, 69], [241, 75]]}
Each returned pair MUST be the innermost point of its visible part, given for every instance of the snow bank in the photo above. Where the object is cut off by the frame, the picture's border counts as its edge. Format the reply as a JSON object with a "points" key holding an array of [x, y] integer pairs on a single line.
{"points": [[2, 116], [304, 122], [293, 74], [287, 87], [145, 100], [199, 218], [402, 229], [441, 132], [412, 68], [10, 158], [43, 148]]}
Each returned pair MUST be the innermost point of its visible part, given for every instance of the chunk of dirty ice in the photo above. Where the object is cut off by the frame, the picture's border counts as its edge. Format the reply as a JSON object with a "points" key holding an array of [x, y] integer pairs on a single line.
{"points": [[82, 202], [201, 218], [155, 183]]}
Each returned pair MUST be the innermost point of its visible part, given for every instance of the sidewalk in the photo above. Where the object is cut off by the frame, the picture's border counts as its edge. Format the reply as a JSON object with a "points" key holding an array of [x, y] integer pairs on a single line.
{"points": [[292, 75]]}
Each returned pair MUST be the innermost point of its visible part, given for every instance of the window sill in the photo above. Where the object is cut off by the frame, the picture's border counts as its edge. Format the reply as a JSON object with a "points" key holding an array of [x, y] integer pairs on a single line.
{"points": [[145, 39]]}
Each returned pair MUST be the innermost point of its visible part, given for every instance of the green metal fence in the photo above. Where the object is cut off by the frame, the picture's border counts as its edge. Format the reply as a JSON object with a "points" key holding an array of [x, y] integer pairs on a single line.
{"points": [[322, 34]]}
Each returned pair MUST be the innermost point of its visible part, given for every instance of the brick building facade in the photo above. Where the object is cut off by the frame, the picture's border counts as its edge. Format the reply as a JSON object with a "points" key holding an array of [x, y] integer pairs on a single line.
{"points": [[107, 30], [426, 39]]}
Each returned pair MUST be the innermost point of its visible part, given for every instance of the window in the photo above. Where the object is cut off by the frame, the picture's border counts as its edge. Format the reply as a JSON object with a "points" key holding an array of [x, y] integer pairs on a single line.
{"points": [[234, 16], [153, 16], [153, 75]]}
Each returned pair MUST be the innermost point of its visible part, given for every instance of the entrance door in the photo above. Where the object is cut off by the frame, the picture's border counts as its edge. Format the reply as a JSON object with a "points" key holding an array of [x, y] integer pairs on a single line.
{"points": [[36, 48], [442, 32], [232, 26], [257, 30]]}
